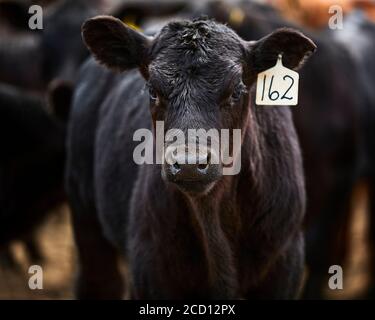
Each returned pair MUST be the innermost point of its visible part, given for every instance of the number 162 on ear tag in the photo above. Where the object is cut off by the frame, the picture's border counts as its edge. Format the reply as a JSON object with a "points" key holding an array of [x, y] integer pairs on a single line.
{"points": [[277, 86]]}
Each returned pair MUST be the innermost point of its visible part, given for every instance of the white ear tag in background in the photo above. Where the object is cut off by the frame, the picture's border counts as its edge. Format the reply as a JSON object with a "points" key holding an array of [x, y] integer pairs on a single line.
{"points": [[277, 86]]}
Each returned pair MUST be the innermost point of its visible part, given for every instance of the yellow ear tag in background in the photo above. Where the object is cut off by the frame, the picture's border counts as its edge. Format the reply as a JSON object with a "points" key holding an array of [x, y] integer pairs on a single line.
{"points": [[277, 86], [130, 21], [236, 16]]}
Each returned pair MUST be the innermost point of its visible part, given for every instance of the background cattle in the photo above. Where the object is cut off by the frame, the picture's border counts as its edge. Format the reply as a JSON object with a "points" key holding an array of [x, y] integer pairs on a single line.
{"points": [[358, 30], [29, 58], [316, 14], [31, 165], [29, 61]]}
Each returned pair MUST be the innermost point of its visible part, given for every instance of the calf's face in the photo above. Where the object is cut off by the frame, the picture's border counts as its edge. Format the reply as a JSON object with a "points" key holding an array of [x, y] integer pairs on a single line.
{"points": [[199, 74]]}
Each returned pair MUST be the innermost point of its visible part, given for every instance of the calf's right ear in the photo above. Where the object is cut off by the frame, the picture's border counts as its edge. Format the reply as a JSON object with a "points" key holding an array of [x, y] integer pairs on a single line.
{"points": [[114, 44]]}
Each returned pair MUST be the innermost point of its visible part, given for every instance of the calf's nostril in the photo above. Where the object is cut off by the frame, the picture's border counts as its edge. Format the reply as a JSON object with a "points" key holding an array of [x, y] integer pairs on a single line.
{"points": [[176, 165], [202, 167]]}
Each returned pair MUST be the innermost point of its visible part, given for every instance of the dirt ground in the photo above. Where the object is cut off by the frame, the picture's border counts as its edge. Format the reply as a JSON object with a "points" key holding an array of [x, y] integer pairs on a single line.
{"points": [[56, 241], [57, 245]]}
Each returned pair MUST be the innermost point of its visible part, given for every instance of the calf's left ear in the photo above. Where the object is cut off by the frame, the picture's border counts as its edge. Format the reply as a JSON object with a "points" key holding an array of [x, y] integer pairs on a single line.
{"points": [[293, 45], [114, 44]]}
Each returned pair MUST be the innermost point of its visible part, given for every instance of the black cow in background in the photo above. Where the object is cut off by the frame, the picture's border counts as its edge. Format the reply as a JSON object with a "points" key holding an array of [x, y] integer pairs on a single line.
{"points": [[30, 59], [355, 36], [31, 166]]}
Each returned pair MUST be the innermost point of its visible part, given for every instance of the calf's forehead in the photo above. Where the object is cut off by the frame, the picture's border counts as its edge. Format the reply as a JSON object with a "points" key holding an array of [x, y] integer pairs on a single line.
{"points": [[195, 47]]}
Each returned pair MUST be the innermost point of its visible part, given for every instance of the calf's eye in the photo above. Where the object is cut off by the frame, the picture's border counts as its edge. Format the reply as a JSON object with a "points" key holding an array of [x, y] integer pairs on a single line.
{"points": [[238, 91], [153, 94]]}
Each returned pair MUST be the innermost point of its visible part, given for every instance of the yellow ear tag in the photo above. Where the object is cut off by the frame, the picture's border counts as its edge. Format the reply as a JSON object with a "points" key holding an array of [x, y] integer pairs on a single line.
{"points": [[236, 16], [277, 86], [130, 21]]}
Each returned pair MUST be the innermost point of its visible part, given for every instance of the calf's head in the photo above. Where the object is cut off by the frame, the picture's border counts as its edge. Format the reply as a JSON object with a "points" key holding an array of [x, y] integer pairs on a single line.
{"points": [[199, 74]]}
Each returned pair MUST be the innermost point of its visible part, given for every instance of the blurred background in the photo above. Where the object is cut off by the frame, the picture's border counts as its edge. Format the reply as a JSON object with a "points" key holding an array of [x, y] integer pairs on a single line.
{"points": [[37, 73]]}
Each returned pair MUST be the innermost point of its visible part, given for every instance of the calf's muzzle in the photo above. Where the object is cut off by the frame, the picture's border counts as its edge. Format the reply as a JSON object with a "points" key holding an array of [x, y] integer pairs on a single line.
{"points": [[193, 172]]}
